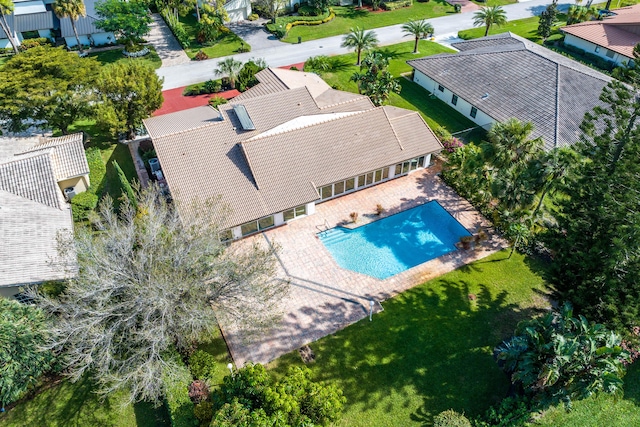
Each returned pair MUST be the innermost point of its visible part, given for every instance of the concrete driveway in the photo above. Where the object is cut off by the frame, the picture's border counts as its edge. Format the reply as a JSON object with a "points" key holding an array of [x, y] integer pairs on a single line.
{"points": [[255, 34]]}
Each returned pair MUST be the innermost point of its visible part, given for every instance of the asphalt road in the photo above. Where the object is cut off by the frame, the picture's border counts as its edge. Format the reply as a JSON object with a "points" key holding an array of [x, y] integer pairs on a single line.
{"points": [[446, 28]]}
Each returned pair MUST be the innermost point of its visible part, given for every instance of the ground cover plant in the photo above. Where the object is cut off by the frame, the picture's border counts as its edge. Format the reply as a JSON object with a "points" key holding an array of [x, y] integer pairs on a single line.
{"points": [[115, 55], [431, 348]]}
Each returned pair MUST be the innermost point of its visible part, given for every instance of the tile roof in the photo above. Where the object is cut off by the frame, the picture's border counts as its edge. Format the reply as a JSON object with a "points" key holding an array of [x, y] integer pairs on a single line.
{"points": [[181, 121], [619, 32], [523, 80], [29, 233], [32, 176], [67, 153], [260, 172]]}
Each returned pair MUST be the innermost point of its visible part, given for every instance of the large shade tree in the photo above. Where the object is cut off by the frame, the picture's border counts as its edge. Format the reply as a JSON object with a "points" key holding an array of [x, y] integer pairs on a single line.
{"points": [[47, 85], [22, 334], [6, 8], [418, 29], [360, 40], [129, 93], [489, 16], [150, 280], [129, 20], [72, 9]]}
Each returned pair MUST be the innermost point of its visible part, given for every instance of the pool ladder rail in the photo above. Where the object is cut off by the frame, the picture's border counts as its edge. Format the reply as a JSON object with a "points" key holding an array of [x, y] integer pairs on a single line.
{"points": [[321, 229]]}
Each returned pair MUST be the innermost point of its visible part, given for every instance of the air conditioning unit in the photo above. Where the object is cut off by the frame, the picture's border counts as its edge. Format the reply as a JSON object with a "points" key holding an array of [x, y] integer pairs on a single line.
{"points": [[154, 164], [69, 193]]}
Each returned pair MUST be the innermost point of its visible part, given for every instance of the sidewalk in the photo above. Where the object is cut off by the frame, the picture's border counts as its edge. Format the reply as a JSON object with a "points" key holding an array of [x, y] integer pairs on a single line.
{"points": [[285, 53]]}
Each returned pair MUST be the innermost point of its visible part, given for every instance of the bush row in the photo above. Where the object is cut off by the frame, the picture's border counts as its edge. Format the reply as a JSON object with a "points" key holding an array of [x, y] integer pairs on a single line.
{"points": [[595, 60], [332, 15], [177, 400], [83, 203], [393, 5], [176, 27], [29, 43], [210, 86]]}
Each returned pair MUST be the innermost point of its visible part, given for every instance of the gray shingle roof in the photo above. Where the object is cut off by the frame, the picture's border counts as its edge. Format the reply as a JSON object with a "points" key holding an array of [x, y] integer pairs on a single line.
{"points": [[67, 154], [29, 231], [523, 80], [258, 172], [32, 176]]}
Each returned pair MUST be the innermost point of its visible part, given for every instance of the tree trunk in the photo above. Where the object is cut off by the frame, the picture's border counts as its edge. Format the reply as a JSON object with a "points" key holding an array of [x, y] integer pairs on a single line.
{"points": [[359, 53], [360, 3], [7, 30], [197, 10], [486, 32], [75, 31], [415, 47]]}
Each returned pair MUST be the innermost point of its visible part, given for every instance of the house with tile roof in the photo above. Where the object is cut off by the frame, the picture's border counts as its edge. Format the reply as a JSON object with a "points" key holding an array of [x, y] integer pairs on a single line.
{"points": [[283, 146], [611, 38], [34, 174], [505, 76]]}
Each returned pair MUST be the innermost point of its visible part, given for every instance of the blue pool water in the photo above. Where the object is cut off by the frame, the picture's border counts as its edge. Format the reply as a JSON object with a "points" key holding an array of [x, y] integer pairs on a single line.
{"points": [[394, 244]]}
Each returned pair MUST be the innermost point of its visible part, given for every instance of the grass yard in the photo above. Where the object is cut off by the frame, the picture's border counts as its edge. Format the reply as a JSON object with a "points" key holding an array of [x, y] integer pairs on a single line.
{"points": [[113, 56], [217, 347], [76, 405], [227, 44], [527, 28], [431, 348], [348, 17], [413, 96]]}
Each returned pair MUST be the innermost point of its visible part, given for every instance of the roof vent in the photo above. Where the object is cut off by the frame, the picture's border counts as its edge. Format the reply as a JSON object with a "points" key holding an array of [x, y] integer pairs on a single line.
{"points": [[243, 116], [485, 96]]}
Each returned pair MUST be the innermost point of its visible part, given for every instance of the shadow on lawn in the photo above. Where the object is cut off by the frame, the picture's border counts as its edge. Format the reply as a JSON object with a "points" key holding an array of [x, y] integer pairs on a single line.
{"points": [[432, 341]]}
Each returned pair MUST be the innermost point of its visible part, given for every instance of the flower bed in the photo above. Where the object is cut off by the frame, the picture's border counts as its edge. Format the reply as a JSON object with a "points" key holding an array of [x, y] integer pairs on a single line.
{"points": [[137, 54]]}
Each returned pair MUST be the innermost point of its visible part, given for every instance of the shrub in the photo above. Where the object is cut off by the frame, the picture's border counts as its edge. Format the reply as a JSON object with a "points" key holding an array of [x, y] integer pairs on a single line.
{"points": [[394, 5], [82, 205], [247, 74], [452, 144], [450, 418], [97, 168], [244, 48], [217, 101], [202, 365], [198, 391], [176, 27], [306, 10], [442, 133], [30, 43], [294, 68], [318, 63], [253, 17], [177, 400], [457, 7], [212, 86], [354, 217], [201, 56], [204, 412]]}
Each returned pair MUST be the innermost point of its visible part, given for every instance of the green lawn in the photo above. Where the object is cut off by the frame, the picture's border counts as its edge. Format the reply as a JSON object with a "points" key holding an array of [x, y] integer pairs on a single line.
{"points": [[348, 17], [226, 45], [413, 96], [217, 347], [76, 405], [112, 56], [431, 348], [527, 28]]}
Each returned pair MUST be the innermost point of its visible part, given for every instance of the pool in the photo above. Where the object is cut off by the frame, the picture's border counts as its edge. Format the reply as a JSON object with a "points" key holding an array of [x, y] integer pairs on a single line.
{"points": [[394, 244]]}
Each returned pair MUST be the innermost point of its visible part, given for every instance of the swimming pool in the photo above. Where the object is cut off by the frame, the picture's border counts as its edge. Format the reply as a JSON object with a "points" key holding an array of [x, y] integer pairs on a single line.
{"points": [[394, 244]]}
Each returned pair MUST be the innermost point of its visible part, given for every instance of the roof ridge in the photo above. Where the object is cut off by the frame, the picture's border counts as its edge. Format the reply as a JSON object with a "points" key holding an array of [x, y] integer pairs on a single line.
{"points": [[392, 128], [341, 102], [556, 128], [46, 151], [193, 128]]}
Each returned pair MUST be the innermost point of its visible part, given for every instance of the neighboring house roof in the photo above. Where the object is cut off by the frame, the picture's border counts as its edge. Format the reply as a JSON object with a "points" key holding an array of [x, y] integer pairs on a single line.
{"points": [[619, 32], [517, 78], [84, 24], [68, 155], [29, 240], [25, 20], [274, 80], [296, 146]]}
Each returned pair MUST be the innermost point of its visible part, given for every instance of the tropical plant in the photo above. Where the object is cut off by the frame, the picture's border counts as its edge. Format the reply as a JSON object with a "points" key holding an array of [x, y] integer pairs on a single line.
{"points": [[376, 81], [246, 77], [72, 9], [129, 20], [130, 92], [450, 418], [360, 40], [418, 29], [252, 394], [230, 68], [560, 358], [548, 18], [6, 8], [22, 334], [577, 13], [488, 16], [151, 280]]}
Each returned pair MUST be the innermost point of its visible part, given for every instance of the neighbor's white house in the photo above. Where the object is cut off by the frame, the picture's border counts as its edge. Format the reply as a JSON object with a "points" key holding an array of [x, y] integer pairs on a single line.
{"points": [[35, 18], [281, 147], [495, 78], [612, 38]]}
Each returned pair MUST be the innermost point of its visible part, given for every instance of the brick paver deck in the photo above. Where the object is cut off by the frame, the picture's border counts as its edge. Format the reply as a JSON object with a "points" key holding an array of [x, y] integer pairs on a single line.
{"points": [[325, 298]]}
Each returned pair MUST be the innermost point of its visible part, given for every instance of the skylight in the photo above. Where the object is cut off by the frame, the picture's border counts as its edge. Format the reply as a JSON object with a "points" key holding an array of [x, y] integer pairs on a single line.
{"points": [[243, 116]]}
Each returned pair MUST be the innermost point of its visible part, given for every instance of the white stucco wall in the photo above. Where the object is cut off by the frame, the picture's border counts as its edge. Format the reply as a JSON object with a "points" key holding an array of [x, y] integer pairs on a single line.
{"points": [[463, 106], [99, 39], [238, 10], [591, 48]]}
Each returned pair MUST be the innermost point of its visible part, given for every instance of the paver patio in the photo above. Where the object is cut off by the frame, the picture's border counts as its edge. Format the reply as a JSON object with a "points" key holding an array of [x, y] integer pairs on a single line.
{"points": [[325, 298]]}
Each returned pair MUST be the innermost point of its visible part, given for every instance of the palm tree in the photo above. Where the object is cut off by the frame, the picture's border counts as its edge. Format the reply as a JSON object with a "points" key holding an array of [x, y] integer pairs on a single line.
{"points": [[488, 16], [360, 40], [6, 8], [418, 29], [230, 68], [72, 9]]}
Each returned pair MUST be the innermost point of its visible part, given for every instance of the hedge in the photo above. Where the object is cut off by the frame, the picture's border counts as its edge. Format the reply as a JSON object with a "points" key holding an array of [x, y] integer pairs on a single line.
{"points": [[82, 205], [393, 5], [177, 400], [290, 25], [177, 28], [97, 168]]}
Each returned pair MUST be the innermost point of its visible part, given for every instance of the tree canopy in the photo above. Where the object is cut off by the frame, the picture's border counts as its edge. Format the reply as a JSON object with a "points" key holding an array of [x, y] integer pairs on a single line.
{"points": [[129, 20], [374, 80], [22, 334], [360, 40], [150, 281], [419, 29], [489, 16], [46, 84], [130, 92]]}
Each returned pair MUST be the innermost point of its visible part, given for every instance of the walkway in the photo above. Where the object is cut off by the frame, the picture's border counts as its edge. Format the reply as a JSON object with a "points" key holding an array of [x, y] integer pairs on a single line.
{"points": [[325, 298], [167, 47], [281, 54]]}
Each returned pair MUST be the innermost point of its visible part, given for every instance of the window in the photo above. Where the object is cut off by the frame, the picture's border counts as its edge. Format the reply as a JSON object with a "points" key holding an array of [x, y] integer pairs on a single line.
{"points": [[597, 49], [325, 192], [454, 99], [370, 178], [474, 112], [266, 222], [338, 188], [421, 162], [398, 169], [294, 213], [248, 228], [441, 88], [350, 184], [361, 182], [410, 165], [385, 173], [610, 53], [378, 176], [30, 35]]}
